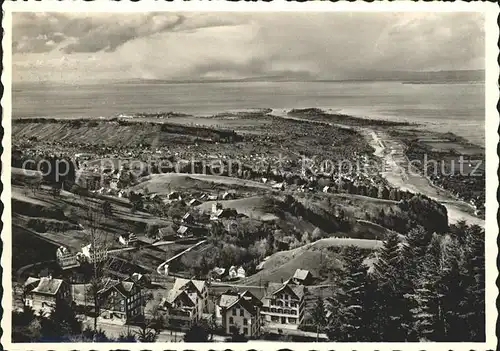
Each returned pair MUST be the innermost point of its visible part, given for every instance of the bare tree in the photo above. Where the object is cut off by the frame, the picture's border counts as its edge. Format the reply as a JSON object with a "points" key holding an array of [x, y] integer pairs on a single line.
{"points": [[98, 253]]}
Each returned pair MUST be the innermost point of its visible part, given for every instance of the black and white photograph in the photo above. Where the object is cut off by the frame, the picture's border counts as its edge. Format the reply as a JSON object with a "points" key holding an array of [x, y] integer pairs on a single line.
{"points": [[250, 177]]}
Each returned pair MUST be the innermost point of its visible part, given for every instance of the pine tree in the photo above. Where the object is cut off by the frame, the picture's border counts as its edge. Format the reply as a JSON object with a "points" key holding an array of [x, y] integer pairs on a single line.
{"points": [[422, 302], [347, 304], [474, 270], [386, 265], [450, 319], [392, 313], [318, 314]]}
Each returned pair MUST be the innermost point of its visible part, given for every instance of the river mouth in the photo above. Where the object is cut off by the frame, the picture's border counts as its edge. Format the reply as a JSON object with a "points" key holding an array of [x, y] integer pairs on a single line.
{"points": [[400, 174]]}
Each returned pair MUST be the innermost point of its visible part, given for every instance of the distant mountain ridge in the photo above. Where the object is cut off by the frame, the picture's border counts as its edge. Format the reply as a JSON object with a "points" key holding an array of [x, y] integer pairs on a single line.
{"points": [[450, 76]]}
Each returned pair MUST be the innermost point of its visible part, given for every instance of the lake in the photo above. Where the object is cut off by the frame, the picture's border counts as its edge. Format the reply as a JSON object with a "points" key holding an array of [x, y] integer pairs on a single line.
{"points": [[458, 108]]}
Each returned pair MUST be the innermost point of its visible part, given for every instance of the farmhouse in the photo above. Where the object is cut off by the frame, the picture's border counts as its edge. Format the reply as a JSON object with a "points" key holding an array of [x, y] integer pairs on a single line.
{"points": [[181, 307], [222, 213], [284, 304], [185, 302], [94, 255], [194, 202], [127, 239], [183, 231], [120, 301], [140, 279], [187, 218], [65, 258], [237, 272], [240, 311], [174, 195], [302, 277], [42, 294], [227, 196]]}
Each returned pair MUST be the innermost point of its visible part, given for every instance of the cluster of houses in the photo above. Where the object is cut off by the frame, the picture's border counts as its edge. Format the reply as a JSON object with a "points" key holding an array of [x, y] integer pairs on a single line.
{"points": [[185, 304], [119, 301], [67, 259], [233, 272]]}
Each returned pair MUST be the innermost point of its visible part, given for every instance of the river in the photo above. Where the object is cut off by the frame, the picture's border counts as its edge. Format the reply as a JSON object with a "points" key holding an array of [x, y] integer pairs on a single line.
{"points": [[392, 154]]}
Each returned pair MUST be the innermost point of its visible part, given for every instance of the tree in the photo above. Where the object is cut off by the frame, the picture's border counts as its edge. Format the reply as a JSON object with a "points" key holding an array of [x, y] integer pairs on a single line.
{"points": [[236, 335], [318, 315], [474, 272], [423, 303], [61, 325], [127, 337], [393, 317], [107, 209], [197, 333], [25, 326], [146, 333], [93, 335], [99, 244], [137, 201], [349, 299]]}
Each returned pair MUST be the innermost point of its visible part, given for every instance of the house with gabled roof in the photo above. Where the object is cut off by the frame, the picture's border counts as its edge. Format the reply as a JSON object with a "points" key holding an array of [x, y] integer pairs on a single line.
{"points": [[284, 304], [240, 312], [181, 307], [183, 231], [42, 294], [197, 286], [194, 202], [120, 301], [174, 195], [302, 277], [223, 213], [187, 218], [127, 239], [65, 258]]}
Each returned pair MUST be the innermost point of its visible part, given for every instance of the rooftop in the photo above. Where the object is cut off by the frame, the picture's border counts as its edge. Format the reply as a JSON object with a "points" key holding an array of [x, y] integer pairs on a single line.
{"points": [[47, 285]]}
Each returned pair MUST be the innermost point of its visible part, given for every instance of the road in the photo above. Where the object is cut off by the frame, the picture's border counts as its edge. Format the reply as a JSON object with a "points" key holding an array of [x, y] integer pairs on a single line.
{"points": [[160, 269], [115, 330], [130, 248]]}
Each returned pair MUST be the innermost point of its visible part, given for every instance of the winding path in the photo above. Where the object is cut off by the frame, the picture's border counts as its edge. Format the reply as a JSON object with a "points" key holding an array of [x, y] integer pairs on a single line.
{"points": [[160, 268]]}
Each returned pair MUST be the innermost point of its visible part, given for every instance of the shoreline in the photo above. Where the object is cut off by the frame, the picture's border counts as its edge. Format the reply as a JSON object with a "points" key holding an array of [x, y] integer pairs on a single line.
{"points": [[387, 149], [390, 154]]}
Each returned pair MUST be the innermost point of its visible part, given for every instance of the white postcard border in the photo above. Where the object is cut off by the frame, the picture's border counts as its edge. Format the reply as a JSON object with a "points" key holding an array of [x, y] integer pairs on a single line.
{"points": [[491, 12]]}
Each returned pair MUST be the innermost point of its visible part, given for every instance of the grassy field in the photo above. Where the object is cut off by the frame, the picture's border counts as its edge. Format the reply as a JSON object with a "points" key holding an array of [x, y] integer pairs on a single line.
{"points": [[282, 265], [70, 211], [257, 207], [165, 183], [111, 132]]}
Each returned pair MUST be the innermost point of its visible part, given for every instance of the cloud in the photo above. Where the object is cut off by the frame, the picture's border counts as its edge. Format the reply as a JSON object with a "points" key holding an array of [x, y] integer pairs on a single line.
{"points": [[236, 45]]}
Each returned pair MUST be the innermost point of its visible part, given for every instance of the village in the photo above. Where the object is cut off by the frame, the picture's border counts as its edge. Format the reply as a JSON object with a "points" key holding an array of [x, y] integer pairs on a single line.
{"points": [[182, 236]]}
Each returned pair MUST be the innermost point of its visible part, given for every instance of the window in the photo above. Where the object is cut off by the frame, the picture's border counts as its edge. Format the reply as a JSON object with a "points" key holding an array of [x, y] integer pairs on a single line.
{"points": [[245, 331], [231, 320], [242, 312], [245, 321], [234, 312]]}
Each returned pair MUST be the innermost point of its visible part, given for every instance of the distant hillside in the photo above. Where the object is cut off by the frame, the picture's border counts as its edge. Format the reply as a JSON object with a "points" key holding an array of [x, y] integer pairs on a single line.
{"points": [[458, 76], [282, 265], [403, 76], [114, 132]]}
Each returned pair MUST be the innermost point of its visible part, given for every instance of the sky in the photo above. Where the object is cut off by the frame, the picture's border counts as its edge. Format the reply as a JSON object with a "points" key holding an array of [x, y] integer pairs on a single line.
{"points": [[190, 46]]}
